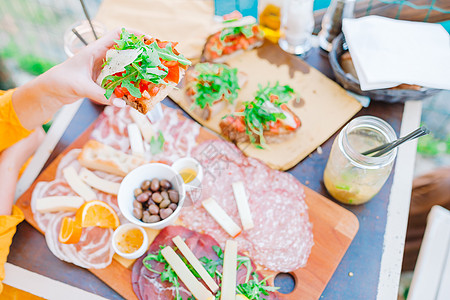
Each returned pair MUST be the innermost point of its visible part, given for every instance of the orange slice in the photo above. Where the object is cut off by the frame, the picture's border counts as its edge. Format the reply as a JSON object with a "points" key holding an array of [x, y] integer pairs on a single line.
{"points": [[97, 213], [70, 231]]}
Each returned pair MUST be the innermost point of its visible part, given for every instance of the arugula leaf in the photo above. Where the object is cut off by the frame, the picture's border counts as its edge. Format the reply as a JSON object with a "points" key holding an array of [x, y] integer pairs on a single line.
{"points": [[258, 115], [167, 275], [168, 54], [134, 91], [253, 289], [246, 30], [215, 82], [157, 145], [147, 66]]}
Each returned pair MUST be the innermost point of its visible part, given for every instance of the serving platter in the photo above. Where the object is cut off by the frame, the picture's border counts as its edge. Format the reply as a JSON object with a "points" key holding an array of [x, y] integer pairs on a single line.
{"points": [[333, 227]]}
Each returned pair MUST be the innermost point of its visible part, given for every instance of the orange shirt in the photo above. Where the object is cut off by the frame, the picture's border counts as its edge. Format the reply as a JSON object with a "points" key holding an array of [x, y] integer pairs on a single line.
{"points": [[11, 131]]}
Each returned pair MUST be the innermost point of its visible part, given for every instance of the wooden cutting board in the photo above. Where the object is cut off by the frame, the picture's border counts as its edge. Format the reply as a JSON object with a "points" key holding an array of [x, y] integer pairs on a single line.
{"points": [[333, 227], [325, 106]]}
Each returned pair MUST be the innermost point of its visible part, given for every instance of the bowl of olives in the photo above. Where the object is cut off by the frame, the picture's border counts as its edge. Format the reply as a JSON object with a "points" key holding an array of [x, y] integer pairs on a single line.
{"points": [[152, 195]]}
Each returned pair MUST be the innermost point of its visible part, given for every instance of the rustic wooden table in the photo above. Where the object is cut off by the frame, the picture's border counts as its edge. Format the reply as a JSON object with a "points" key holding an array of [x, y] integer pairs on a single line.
{"points": [[357, 276]]}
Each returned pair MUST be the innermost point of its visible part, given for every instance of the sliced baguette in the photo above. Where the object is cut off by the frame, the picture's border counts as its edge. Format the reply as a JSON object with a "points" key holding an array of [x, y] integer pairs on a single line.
{"points": [[98, 156], [206, 55], [230, 132], [210, 112], [145, 105]]}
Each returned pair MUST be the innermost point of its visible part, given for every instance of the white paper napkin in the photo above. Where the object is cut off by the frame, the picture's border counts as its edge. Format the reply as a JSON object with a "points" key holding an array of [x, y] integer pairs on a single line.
{"points": [[388, 52]]}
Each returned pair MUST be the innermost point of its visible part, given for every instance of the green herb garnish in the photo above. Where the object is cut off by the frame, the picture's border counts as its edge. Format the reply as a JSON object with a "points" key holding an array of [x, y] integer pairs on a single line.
{"points": [[146, 66], [258, 114], [157, 145], [246, 30], [168, 274], [254, 289], [283, 93], [215, 82]]}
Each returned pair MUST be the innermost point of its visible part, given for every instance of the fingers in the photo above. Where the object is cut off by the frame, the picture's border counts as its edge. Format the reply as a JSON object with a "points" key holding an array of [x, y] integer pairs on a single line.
{"points": [[97, 94], [105, 42], [117, 102]]}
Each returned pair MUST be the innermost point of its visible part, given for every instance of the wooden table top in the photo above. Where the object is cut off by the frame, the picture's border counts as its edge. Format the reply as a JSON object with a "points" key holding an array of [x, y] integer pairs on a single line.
{"points": [[362, 260]]}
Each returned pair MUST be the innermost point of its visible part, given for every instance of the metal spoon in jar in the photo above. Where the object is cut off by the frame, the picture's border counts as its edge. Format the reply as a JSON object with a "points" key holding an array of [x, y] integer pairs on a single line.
{"points": [[383, 149]]}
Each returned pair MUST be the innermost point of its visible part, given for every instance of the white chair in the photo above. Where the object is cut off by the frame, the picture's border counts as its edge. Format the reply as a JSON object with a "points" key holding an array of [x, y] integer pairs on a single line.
{"points": [[431, 279]]}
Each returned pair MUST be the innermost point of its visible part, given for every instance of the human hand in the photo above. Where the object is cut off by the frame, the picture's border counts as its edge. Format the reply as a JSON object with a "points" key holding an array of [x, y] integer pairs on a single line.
{"points": [[39, 99], [76, 77]]}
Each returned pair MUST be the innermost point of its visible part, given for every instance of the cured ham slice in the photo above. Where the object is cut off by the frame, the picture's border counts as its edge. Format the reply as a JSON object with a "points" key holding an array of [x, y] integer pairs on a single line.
{"points": [[180, 135], [281, 238], [94, 249], [148, 286]]}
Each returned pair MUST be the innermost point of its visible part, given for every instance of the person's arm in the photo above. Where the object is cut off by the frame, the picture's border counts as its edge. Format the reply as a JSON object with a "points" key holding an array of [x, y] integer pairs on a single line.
{"points": [[11, 160], [7, 230], [37, 101], [11, 130]]}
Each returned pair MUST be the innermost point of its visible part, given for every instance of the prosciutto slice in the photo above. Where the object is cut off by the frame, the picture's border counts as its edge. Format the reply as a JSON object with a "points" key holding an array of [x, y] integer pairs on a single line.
{"points": [[94, 248]]}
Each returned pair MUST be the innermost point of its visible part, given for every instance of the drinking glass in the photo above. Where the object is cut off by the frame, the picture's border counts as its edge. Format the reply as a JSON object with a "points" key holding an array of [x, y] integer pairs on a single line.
{"points": [[72, 43], [297, 24]]}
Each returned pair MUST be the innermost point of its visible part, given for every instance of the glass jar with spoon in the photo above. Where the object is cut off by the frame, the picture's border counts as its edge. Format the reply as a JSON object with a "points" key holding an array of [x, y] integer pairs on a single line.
{"points": [[351, 177]]}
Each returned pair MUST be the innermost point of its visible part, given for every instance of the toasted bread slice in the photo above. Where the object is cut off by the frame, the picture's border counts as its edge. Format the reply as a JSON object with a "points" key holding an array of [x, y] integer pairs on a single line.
{"points": [[209, 111], [101, 157], [144, 105], [235, 131], [228, 42], [207, 55]]}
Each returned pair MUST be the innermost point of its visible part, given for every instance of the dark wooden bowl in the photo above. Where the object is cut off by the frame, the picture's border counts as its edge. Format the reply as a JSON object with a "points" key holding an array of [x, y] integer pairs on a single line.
{"points": [[349, 82]]}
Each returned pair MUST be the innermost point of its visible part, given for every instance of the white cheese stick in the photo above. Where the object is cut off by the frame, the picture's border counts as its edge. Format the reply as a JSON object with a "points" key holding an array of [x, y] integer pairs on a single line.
{"points": [[136, 143], [184, 249], [77, 185], [229, 271], [144, 125], [198, 290], [98, 183], [58, 203], [242, 204], [221, 217]]}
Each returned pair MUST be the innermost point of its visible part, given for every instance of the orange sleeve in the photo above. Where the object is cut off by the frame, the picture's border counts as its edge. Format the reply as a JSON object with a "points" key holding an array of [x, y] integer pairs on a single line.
{"points": [[7, 230], [11, 130]]}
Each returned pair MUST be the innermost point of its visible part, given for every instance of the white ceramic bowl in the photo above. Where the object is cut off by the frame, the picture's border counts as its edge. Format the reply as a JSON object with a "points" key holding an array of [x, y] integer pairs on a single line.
{"points": [[189, 162], [123, 228], [134, 179]]}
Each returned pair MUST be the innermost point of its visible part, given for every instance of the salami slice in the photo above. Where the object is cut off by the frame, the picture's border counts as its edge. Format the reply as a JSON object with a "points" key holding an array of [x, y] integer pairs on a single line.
{"points": [[282, 238]]}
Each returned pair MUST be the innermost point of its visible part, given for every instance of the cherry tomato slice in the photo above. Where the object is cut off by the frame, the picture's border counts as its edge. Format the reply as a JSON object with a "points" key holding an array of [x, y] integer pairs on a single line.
{"points": [[118, 92], [153, 91], [173, 75]]}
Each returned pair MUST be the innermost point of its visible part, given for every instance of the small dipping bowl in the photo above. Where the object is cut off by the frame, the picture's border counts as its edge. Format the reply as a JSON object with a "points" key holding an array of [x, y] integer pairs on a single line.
{"points": [[123, 229], [134, 179], [188, 167]]}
